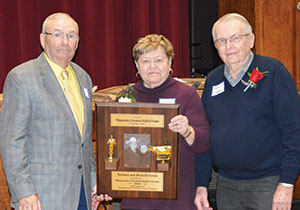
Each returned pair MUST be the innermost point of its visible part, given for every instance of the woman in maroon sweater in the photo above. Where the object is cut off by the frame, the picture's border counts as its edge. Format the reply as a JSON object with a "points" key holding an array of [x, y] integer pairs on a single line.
{"points": [[153, 56]]}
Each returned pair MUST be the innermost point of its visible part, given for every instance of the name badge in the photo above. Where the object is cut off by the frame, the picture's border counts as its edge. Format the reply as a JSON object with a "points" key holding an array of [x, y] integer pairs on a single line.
{"points": [[167, 100], [217, 89], [86, 93]]}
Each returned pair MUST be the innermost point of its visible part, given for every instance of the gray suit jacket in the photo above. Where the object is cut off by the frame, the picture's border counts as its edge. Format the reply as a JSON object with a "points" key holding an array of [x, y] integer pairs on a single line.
{"points": [[41, 147]]}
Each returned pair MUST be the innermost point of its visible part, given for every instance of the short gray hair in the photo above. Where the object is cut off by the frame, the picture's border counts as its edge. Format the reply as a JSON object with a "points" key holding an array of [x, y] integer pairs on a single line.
{"points": [[56, 15], [230, 16]]}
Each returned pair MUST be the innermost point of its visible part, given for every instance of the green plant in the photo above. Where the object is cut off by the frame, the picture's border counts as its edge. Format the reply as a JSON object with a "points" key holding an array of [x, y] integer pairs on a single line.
{"points": [[127, 93]]}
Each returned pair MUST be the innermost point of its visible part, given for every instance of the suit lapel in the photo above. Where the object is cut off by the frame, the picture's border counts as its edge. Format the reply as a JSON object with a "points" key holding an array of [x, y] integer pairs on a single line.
{"points": [[52, 86]]}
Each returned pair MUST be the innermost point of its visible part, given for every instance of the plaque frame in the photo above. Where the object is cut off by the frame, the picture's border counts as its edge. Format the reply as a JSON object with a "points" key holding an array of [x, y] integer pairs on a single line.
{"points": [[160, 136]]}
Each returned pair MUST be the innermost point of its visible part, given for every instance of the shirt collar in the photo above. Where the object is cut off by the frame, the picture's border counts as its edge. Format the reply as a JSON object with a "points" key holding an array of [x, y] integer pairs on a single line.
{"points": [[56, 68], [240, 75]]}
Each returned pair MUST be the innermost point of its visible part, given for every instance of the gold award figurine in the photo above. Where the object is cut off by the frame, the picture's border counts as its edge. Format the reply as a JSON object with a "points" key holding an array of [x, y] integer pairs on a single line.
{"points": [[163, 155], [111, 142], [111, 162]]}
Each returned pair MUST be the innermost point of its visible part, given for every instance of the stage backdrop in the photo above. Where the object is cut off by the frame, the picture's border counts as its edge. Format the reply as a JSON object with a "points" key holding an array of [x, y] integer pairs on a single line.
{"points": [[108, 32]]}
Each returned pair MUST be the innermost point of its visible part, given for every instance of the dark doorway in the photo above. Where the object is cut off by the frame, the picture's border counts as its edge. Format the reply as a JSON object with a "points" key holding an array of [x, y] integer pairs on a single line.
{"points": [[203, 54]]}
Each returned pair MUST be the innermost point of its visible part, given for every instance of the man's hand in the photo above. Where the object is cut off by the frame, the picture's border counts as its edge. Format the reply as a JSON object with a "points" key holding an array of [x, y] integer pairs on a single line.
{"points": [[282, 198], [201, 200], [31, 202]]}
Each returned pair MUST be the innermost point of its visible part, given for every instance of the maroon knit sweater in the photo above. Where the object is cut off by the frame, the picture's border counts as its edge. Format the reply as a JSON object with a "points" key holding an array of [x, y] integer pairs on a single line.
{"points": [[191, 107]]}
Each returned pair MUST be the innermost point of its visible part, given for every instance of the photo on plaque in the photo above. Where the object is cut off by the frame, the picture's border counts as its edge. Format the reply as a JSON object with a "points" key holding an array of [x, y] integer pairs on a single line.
{"points": [[136, 154]]}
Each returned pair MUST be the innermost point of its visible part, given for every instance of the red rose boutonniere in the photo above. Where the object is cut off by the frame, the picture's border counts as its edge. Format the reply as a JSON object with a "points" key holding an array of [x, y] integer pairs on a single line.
{"points": [[255, 77]]}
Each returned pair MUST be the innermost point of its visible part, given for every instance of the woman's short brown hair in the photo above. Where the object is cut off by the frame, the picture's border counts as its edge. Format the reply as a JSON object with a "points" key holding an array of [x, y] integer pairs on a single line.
{"points": [[152, 42]]}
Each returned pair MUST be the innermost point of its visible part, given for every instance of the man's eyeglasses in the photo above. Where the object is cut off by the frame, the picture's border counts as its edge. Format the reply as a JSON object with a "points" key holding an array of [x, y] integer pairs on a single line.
{"points": [[233, 39], [61, 35]]}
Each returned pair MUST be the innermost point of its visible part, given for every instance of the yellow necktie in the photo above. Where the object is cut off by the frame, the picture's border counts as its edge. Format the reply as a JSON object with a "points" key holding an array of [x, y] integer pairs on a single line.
{"points": [[72, 100]]}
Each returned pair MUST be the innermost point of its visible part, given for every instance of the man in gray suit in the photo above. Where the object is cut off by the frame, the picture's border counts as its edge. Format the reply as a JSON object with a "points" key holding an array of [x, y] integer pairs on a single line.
{"points": [[45, 139]]}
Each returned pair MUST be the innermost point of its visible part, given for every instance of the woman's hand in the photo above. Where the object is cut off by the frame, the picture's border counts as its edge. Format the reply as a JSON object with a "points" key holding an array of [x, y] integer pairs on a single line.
{"points": [[179, 124], [100, 197], [96, 199]]}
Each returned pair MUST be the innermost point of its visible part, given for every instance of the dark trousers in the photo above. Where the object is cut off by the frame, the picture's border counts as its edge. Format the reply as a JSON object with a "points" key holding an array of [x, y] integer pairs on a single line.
{"points": [[246, 194], [82, 200]]}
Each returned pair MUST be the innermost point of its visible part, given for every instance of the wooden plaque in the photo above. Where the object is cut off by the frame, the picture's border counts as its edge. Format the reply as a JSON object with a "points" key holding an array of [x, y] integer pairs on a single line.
{"points": [[126, 168]]}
